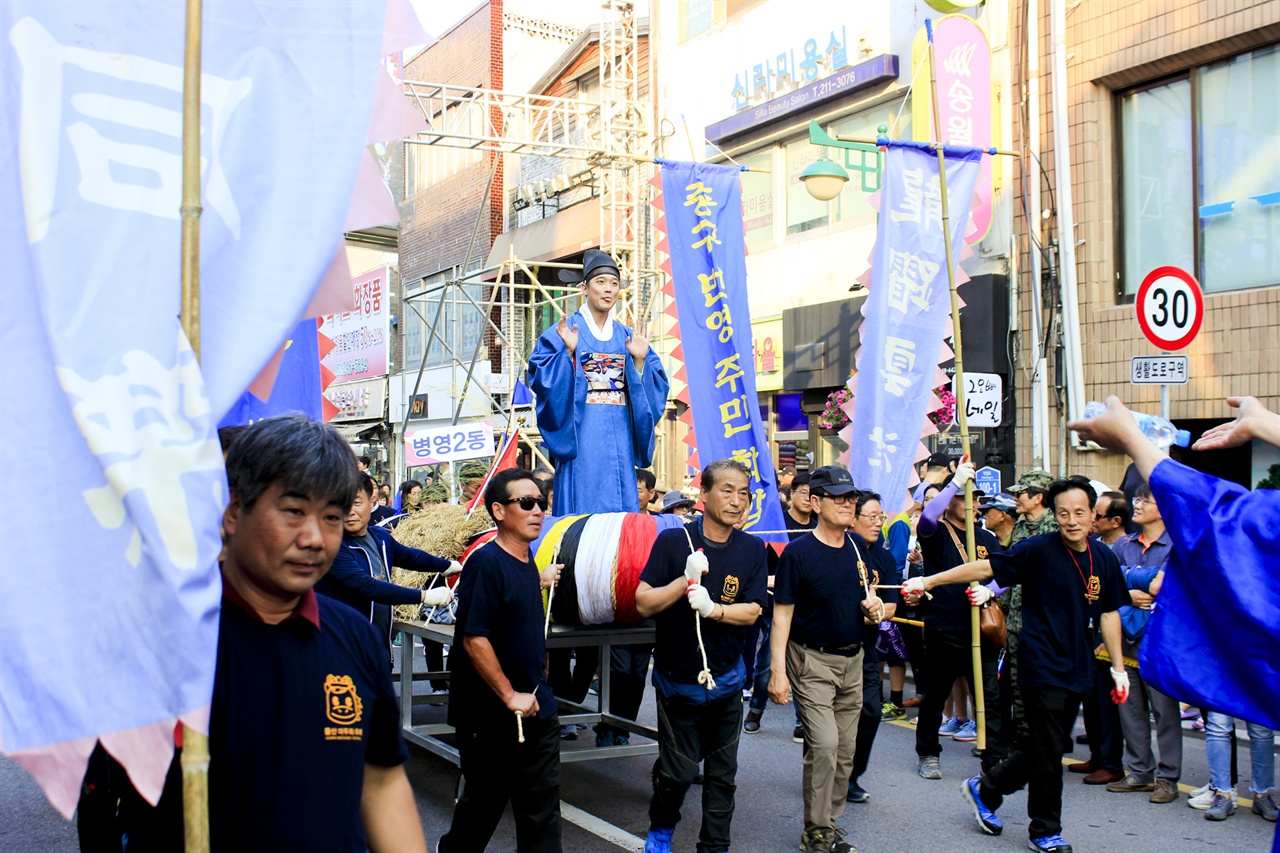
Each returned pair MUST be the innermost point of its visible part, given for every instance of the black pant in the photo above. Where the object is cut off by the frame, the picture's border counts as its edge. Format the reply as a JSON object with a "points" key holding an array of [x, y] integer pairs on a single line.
{"points": [[872, 711], [496, 769], [1102, 722], [1036, 759], [570, 671], [690, 733], [949, 656], [913, 639]]}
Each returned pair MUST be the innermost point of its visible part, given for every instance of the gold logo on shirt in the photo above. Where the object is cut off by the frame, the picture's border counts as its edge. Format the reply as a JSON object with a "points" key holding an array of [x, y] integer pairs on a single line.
{"points": [[730, 590], [1095, 588], [342, 703], [982, 552]]}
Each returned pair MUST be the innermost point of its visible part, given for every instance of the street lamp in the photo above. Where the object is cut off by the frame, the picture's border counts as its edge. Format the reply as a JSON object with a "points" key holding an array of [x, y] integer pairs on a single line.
{"points": [[824, 178]]}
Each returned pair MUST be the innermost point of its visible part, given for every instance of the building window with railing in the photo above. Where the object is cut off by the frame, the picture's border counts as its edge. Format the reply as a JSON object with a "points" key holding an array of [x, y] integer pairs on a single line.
{"points": [[1200, 175]]}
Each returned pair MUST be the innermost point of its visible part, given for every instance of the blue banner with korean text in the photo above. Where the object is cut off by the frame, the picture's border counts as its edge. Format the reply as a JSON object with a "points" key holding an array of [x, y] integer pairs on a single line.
{"points": [[906, 312], [709, 271]]}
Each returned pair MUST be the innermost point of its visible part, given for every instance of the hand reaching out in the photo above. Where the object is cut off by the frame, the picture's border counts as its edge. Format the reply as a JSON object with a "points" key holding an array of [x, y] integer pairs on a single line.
{"points": [[568, 335], [1254, 421]]}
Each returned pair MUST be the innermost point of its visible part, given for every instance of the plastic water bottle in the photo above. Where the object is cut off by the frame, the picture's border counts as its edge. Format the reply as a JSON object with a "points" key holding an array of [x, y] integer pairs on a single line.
{"points": [[1160, 431]]}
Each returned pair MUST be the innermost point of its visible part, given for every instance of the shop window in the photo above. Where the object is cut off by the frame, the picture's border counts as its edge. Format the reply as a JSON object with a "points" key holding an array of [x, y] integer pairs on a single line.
{"points": [[804, 212], [852, 205], [757, 197], [1200, 175]]}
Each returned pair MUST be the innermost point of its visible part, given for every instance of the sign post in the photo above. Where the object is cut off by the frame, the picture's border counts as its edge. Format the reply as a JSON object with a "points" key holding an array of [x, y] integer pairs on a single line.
{"points": [[1170, 308]]}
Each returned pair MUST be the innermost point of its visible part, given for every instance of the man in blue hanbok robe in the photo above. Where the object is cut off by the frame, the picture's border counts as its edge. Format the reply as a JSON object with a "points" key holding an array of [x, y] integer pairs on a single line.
{"points": [[600, 392]]}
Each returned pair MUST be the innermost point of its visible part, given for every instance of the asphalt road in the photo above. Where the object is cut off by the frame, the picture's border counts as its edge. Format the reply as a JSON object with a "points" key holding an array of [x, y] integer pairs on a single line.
{"points": [[606, 802]]}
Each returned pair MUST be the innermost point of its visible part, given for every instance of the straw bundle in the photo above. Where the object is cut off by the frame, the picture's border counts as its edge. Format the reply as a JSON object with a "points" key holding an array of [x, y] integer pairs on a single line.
{"points": [[440, 529]]}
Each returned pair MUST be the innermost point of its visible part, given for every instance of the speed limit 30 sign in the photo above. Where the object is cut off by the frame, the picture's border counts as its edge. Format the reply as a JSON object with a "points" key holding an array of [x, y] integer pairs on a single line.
{"points": [[1170, 307]]}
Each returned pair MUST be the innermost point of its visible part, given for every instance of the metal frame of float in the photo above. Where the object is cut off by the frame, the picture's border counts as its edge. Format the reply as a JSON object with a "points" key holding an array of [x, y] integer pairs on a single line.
{"points": [[430, 736]]}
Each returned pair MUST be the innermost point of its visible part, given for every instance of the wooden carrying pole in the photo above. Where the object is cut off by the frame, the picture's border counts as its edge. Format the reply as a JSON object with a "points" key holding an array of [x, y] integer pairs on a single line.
{"points": [[979, 700], [195, 744]]}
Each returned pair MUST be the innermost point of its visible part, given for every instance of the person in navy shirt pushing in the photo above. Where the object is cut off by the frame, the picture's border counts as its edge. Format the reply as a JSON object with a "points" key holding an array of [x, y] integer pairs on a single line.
{"points": [[361, 573], [304, 733]]}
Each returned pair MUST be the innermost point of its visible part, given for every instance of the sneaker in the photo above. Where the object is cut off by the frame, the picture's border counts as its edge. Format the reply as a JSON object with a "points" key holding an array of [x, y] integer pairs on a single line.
{"points": [[1267, 805], [968, 732], [751, 725], [856, 794], [817, 840], [659, 841], [1202, 797], [1198, 725], [569, 732], [1165, 792], [987, 819], [622, 738], [797, 734], [1221, 808], [1049, 844], [950, 725], [1130, 785], [840, 845], [890, 712], [605, 738], [930, 768]]}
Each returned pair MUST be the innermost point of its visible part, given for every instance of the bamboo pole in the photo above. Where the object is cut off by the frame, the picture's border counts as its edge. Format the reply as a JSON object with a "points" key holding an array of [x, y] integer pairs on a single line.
{"points": [[979, 703], [195, 744]]}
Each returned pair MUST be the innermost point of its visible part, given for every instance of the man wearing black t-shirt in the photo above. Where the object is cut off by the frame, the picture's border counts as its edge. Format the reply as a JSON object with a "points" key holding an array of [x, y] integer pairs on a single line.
{"points": [[948, 632], [304, 732], [799, 517], [497, 669], [821, 596], [1068, 581], [710, 577]]}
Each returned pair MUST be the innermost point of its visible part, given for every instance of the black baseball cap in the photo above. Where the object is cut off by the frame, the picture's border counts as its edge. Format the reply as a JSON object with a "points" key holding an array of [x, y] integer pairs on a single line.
{"points": [[940, 460], [831, 480]]}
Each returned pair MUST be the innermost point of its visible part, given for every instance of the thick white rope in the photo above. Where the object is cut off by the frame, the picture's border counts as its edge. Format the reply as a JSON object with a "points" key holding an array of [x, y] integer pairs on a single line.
{"points": [[704, 677]]}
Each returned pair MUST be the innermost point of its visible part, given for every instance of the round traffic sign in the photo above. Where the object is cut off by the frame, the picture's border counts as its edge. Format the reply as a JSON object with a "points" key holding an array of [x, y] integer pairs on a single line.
{"points": [[1170, 307]]}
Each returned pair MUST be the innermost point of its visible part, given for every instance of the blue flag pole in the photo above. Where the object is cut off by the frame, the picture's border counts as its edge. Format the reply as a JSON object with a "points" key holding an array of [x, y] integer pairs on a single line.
{"points": [[979, 706], [195, 744]]}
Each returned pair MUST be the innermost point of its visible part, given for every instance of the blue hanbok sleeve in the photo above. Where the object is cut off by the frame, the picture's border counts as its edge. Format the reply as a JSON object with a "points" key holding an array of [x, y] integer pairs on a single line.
{"points": [[1219, 599], [553, 377], [648, 400]]}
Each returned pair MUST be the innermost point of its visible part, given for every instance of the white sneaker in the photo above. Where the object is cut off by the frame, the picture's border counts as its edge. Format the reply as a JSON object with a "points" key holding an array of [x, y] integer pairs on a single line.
{"points": [[1202, 797]]}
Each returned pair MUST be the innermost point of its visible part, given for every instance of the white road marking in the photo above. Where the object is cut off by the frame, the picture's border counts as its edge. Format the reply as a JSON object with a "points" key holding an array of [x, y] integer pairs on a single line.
{"points": [[601, 828]]}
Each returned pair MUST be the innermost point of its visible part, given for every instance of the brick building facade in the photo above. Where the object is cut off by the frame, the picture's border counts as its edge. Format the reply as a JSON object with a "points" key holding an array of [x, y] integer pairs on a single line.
{"points": [[1175, 159]]}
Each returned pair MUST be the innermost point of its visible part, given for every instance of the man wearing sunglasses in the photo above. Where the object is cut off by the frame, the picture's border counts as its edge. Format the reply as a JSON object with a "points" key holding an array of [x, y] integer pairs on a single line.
{"points": [[497, 668]]}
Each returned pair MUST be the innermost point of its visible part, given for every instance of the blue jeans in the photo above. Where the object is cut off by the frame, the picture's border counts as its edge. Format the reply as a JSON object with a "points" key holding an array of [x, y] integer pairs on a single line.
{"points": [[1219, 729]]}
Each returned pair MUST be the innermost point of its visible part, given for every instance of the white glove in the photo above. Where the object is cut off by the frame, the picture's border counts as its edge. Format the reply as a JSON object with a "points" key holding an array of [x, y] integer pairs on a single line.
{"points": [[700, 600], [454, 568], [437, 597], [695, 566], [1120, 692], [913, 586], [964, 473], [978, 595]]}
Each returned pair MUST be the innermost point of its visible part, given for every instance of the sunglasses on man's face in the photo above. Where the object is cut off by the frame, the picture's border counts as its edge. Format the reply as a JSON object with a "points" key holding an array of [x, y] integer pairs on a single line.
{"points": [[527, 503]]}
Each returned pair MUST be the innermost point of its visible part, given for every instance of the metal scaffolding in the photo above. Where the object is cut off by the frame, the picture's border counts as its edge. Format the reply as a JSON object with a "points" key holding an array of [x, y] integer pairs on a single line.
{"points": [[612, 137]]}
